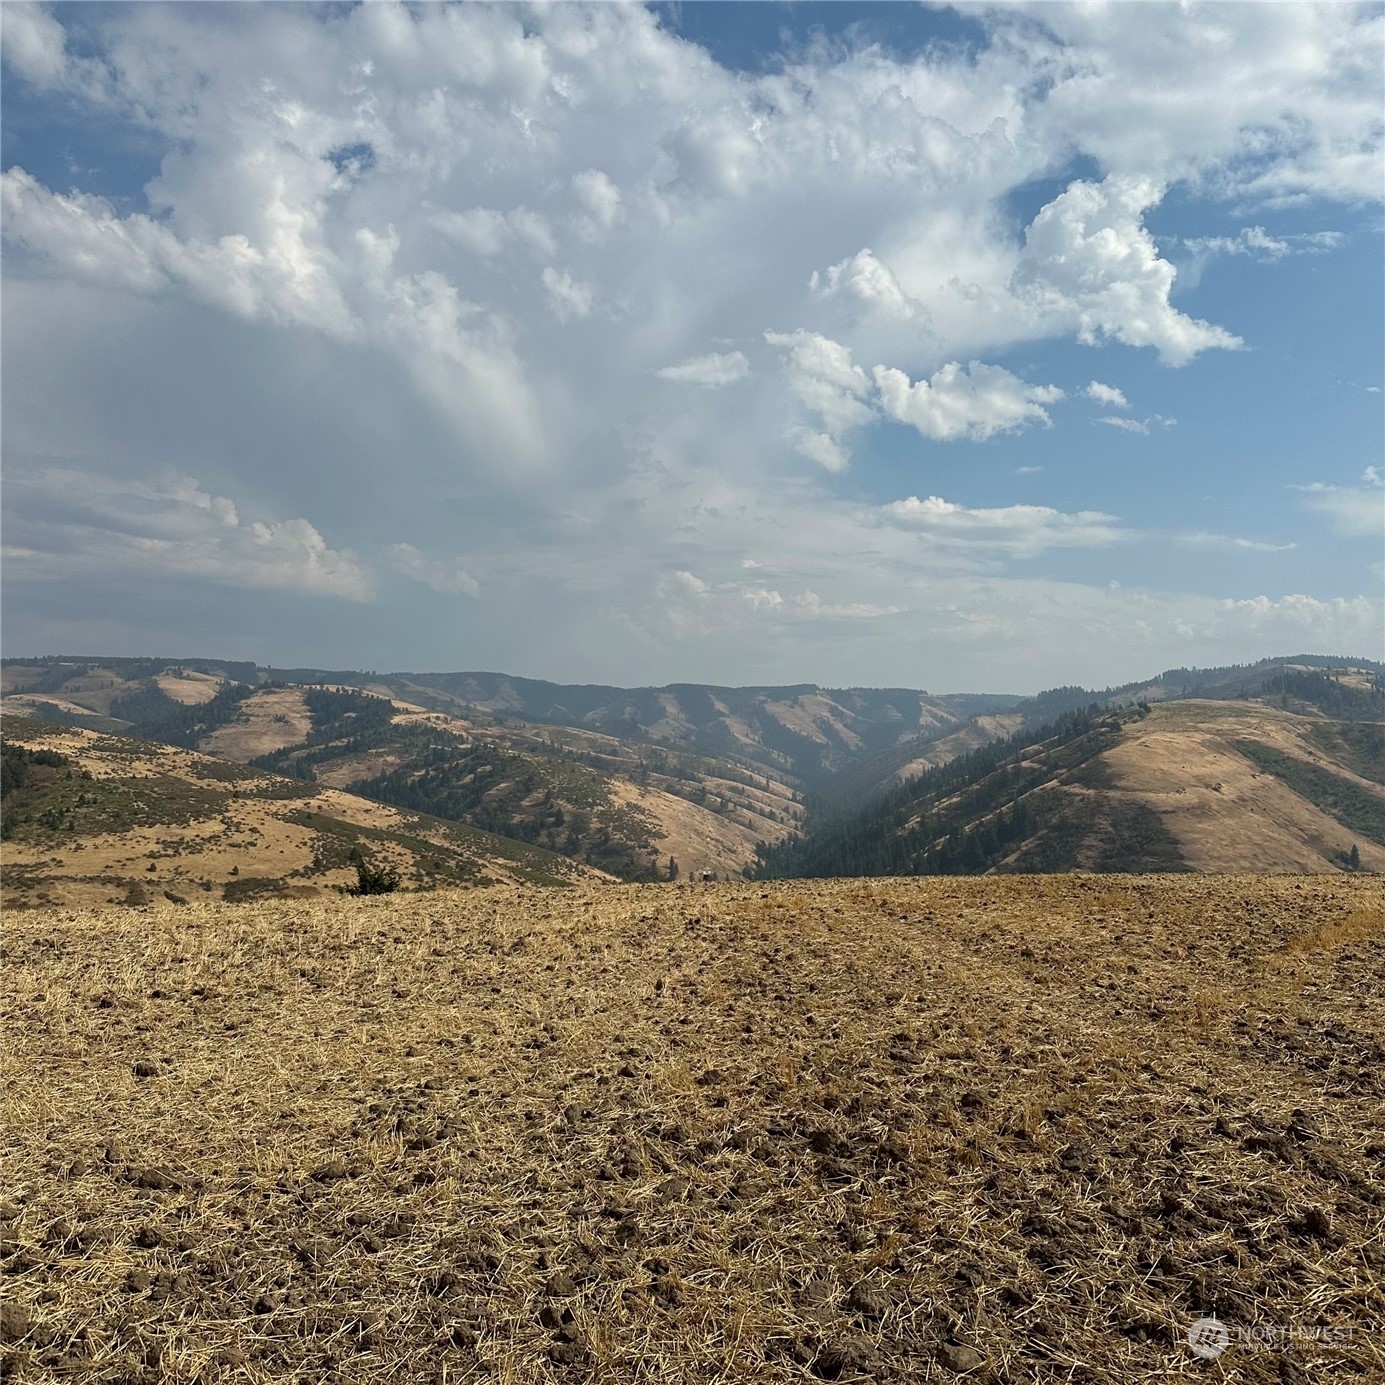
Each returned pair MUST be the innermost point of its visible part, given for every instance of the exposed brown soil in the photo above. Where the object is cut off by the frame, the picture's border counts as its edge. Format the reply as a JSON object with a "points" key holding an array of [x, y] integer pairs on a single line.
{"points": [[1004, 1129]]}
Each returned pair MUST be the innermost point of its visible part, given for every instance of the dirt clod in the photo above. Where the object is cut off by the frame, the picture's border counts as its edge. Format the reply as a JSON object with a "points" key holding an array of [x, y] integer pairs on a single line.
{"points": [[155, 1179], [868, 1302], [15, 1322], [959, 1358], [847, 1360]]}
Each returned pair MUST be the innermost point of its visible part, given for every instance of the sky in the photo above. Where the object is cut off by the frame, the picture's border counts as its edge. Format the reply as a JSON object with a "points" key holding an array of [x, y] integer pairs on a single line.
{"points": [[959, 348]]}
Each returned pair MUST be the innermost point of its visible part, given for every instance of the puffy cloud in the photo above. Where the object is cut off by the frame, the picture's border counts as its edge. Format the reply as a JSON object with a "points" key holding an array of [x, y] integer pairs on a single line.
{"points": [[828, 384], [288, 278], [1108, 395], [974, 401], [1089, 262], [1337, 623], [870, 283], [390, 204], [711, 371], [824, 377], [81, 526], [84, 236], [444, 577], [1264, 101], [1021, 531], [691, 583]]}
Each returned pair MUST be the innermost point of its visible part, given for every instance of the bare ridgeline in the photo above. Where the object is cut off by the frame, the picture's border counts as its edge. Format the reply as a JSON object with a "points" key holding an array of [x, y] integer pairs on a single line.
{"points": [[1004, 1129]]}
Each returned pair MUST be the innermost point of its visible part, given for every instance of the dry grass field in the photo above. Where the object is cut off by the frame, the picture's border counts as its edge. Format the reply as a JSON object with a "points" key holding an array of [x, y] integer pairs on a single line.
{"points": [[1012, 1130], [1185, 762], [153, 821]]}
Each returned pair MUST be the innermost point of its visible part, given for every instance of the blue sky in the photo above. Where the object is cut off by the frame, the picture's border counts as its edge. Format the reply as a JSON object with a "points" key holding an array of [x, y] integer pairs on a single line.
{"points": [[861, 344]]}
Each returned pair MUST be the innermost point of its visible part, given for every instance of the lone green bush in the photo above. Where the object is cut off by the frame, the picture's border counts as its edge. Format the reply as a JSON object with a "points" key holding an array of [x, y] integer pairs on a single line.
{"points": [[372, 879]]}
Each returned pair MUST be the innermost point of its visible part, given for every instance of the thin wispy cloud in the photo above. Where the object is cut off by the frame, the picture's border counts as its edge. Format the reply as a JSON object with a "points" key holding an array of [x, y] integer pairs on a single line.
{"points": [[1137, 425]]}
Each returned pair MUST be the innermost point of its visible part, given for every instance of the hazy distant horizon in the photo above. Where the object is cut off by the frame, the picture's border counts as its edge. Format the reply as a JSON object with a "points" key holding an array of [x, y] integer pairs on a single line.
{"points": [[379, 670], [870, 345]]}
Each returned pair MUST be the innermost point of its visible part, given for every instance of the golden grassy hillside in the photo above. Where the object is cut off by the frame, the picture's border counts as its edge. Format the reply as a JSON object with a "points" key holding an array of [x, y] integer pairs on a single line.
{"points": [[1012, 1130], [1305, 801], [131, 821]]}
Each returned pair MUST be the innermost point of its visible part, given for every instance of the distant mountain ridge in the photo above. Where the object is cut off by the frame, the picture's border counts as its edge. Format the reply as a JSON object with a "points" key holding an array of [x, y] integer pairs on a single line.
{"points": [[639, 782]]}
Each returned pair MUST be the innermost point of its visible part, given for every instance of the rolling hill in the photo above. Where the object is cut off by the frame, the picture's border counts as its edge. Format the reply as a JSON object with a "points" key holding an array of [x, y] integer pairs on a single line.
{"points": [[1233, 786], [632, 782], [90, 818], [629, 806], [693, 779]]}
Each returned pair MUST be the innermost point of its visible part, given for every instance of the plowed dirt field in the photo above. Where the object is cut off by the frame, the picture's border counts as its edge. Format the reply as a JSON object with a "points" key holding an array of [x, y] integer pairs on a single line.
{"points": [[1020, 1129]]}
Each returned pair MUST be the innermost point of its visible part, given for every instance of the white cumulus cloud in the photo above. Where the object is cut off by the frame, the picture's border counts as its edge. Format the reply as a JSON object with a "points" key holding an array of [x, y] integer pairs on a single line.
{"points": [[77, 524], [1090, 263], [600, 198], [870, 283], [974, 401], [334, 276], [1108, 395], [829, 385]]}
